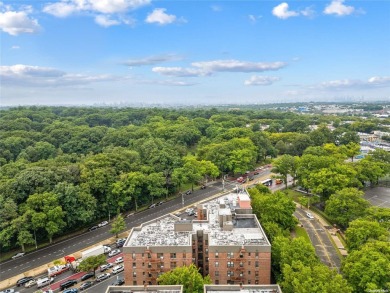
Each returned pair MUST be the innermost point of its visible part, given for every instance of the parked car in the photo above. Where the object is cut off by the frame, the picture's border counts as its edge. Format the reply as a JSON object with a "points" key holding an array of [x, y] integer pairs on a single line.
{"points": [[119, 260], [309, 215], [8, 291], [203, 187], [107, 249], [102, 277], [19, 254], [104, 267], [240, 179], [152, 206], [118, 282], [118, 269], [73, 290], [257, 172], [87, 276], [42, 282], [24, 280], [120, 242], [30, 283], [67, 284], [93, 228], [278, 181], [85, 285], [160, 203], [188, 192], [102, 224], [114, 252]]}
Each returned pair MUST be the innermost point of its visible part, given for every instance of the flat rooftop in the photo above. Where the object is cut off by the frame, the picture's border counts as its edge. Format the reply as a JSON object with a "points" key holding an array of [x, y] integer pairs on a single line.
{"points": [[143, 289], [237, 229]]}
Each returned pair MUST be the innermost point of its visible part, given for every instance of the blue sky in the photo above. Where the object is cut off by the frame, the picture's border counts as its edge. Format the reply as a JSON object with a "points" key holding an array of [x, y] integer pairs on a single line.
{"points": [[193, 52]]}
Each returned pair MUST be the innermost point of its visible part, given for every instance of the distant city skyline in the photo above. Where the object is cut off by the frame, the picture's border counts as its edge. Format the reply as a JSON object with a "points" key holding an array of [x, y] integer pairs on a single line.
{"points": [[90, 52]]}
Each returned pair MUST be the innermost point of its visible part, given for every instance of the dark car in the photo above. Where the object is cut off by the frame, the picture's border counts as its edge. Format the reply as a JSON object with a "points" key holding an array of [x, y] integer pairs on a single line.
{"points": [[67, 284], [118, 282], [120, 243], [160, 203], [85, 285], [203, 187], [188, 192], [23, 281], [93, 228], [87, 276]]}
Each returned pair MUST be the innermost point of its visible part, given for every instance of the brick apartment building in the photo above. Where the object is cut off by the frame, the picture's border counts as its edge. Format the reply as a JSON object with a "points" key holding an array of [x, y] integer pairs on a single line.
{"points": [[226, 242]]}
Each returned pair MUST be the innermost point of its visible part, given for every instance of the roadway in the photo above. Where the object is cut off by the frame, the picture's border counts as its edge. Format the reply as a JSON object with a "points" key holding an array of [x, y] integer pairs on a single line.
{"points": [[319, 238], [58, 250]]}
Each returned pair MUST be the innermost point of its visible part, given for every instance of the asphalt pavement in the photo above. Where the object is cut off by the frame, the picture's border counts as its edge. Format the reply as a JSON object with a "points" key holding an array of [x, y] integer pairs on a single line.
{"points": [[319, 238]]}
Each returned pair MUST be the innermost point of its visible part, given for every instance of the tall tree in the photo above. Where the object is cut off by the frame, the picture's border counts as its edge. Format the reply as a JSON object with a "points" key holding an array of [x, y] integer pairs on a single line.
{"points": [[368, 268], [91, 263], [346, 205], [188, 276], [118, 225]]}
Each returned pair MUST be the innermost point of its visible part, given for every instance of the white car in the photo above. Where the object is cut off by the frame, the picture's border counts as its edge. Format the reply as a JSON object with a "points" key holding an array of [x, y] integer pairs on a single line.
{"points": [[30, 283], [19, 254], [114, 252], [118, 269], [119, 260], [102, 224], [309, 215], [103, 277]]}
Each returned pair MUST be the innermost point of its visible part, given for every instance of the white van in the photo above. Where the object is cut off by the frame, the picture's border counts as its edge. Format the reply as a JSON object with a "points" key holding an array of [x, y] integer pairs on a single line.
{"points": [[44, 282], [118, 269]]}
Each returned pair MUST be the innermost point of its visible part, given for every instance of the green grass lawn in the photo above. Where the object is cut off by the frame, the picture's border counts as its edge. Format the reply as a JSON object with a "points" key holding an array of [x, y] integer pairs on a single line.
{"points": [[301, 232]]}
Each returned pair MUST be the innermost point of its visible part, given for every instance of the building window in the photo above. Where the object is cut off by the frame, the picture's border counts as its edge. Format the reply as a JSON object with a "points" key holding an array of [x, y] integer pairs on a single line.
{"points": [[142, 255], [173, 255], [134, 274], [143, 273], [173, 264], [206, 242], [230, 254], [256, 264], [256, 274], [249, 272], [241, 264], [230, 264], [143, 264], [249, 263], [149, 265], [149, 255], [249, 281], [160, 255], [257, 282], [230, 274], [249, 254], [216, 282], [216, 255], [241, 255], [217, 273], [184, 255], [134, 265], [216, 264], [257, 254], [134, 283], [133, 255]]}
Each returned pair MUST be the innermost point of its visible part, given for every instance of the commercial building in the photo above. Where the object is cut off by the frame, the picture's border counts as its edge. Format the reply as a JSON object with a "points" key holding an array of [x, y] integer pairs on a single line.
{"points": [[226, 242]]}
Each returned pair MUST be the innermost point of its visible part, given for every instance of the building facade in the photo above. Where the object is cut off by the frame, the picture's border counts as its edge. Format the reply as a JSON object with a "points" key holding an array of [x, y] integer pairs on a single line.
{"points": [[226, 242]]}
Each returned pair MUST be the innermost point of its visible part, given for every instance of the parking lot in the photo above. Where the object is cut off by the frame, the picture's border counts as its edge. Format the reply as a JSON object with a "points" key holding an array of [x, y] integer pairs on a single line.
{"points": [[378, 196]]}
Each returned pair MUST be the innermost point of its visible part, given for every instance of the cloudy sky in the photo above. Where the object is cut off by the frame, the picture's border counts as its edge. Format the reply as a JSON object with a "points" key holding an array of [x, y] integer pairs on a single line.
{"points": [[188, 52]]}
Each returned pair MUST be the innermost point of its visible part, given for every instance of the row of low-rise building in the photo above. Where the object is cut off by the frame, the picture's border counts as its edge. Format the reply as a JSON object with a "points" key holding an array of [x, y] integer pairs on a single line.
{"points": [[226, 242]]}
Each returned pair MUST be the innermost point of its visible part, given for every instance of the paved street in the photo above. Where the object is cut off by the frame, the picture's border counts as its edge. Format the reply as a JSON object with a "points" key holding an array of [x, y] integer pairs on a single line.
{"points": [[378, 196], [320, 239]]}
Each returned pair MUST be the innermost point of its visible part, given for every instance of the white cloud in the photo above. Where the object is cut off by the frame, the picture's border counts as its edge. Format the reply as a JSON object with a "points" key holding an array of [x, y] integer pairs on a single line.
{"points": [[238, 66], [15, 47], [67, 7], [180, 72], [337, 7], [151, 60], [106, 21], [253, 18], [261, 80], [36, 76], [281, 11], [17, 22], [160, 17], [372, 82]]}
